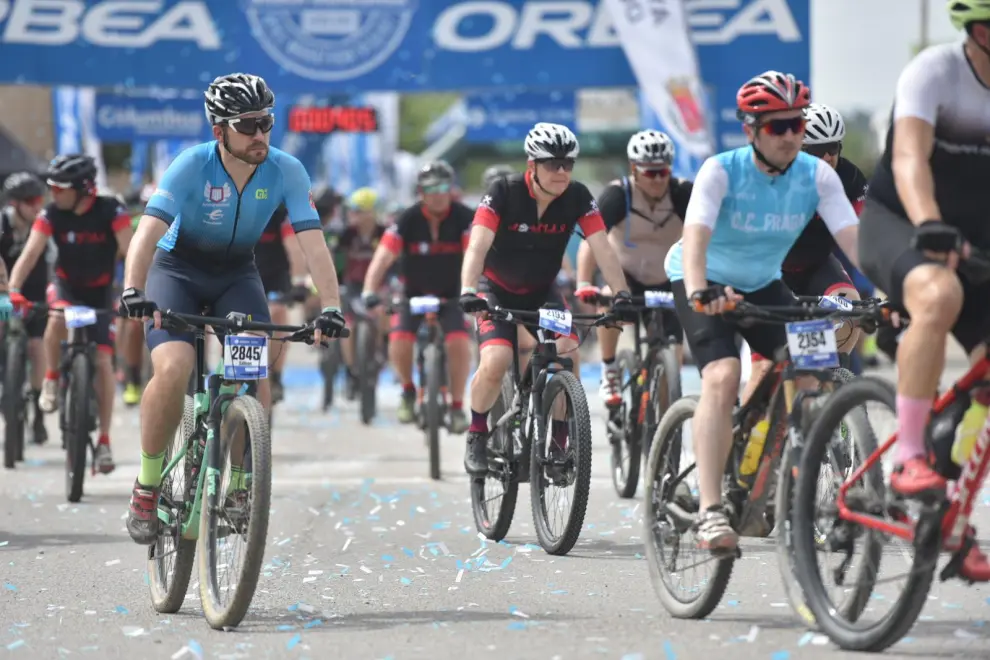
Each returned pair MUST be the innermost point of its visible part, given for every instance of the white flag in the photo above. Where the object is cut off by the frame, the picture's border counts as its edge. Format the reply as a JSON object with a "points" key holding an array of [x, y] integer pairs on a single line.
{"points": [[655, 38]]}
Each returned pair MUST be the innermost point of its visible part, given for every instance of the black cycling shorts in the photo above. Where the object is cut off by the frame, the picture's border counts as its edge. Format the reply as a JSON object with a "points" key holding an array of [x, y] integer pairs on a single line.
{"points": [[405, 325], [821, 280], [670, 324], [182, 287], [886, 257], [275, 282], [491, 332], [62, 294], [713, 338]]}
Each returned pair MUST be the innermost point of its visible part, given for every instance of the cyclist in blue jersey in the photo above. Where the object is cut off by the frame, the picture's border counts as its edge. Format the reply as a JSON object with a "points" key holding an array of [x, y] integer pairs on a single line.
{"points": [[747, 208], [206, 217]]}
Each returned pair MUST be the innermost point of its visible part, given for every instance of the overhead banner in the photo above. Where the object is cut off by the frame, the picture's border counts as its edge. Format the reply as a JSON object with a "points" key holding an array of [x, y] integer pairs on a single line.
{"points": [[657, 44], [507, 116], [320, 46], [126, 119]]}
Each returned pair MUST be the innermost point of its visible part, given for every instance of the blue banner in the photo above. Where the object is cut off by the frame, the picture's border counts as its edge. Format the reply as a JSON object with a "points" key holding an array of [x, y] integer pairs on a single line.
{"points": [[507, 116], [401, 45], [126, 119]]}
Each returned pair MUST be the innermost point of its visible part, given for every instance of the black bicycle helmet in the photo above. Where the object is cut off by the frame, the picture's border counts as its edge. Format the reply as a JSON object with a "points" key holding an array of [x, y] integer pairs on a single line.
{"points": [[22, 186], [494, 172], [76, 170], [236, 94], [435, 173]]}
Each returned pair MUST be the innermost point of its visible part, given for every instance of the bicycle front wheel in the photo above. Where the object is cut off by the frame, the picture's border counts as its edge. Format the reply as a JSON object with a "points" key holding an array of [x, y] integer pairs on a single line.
{"points": [[367, 369], [329, 366], [434, 381], [13, 402], [561, 459], [625, 439], [238, 524], [77, 426], [170, 559]]}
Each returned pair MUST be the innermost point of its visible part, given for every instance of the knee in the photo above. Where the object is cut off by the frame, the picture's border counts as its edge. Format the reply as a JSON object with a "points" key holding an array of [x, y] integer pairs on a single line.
{"points": [[399, 346], [720, 380], [458, 348], [173, 362], [494, 362], [933, 297]]}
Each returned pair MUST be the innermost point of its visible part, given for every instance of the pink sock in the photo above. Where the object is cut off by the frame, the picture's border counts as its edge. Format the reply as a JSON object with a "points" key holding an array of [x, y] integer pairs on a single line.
{"points": [[912, 414]]}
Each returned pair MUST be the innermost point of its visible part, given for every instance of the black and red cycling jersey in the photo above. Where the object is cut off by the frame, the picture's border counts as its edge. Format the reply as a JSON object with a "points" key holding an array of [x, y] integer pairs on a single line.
{"points": [[528, 250], [816, 243], [428, 263], [353, 254], [86, 242], [11, 247], [269, 253]]}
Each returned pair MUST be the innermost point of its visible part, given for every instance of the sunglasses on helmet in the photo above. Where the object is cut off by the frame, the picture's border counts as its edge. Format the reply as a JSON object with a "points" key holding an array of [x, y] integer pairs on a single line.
{"points": [[653, 172], [781, 126], [250, 125], [557, 164]]}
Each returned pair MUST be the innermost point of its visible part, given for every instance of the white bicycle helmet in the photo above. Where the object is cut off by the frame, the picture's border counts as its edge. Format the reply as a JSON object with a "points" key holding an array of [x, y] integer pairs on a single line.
{"points": [[650, 147], [551, 141], [824, 125]]}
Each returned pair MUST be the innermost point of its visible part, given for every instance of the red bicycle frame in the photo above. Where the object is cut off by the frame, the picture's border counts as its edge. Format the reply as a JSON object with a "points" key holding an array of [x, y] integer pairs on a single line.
{"points": [[961, 503]]}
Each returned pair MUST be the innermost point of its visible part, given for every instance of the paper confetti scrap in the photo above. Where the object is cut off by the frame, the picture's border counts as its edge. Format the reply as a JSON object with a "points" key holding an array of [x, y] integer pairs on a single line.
{"points": [[292, 643], [112, 562]]}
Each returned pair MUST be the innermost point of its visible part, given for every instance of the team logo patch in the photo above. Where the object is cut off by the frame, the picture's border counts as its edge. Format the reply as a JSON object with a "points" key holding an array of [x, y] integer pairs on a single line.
{"points": [[217, 194], [329, 40]]}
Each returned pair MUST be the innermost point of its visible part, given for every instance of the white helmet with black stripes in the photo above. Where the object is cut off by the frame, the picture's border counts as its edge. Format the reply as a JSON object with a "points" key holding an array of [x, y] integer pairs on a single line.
{"points": [[236, 94], [650, 147], [823, 125], [546, 141]]}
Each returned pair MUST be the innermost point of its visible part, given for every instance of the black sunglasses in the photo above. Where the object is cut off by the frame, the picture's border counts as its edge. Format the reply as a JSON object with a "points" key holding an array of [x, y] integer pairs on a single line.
{"points": [[556, 164], [250, 125], [822, 150], [781, 126]]}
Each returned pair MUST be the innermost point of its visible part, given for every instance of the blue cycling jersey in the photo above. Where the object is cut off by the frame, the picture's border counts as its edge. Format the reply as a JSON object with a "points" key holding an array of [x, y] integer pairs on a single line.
{"points": [[755, 217], [212, 225]]}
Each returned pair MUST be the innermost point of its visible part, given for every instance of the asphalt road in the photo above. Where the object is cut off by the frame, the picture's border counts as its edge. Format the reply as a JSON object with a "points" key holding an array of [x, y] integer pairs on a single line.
{"points": [[367, 558]]}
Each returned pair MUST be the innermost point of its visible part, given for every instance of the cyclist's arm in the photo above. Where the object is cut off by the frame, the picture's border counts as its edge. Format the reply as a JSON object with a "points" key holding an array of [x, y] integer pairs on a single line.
{"points": [[593, 227], [317, 257], [386, 254], [36, 245], [293, 251], [141, 249], [915, 113], [585, 264], [4, 287], [612, 204], [837, 211], [123, 231], [298, 199], [567, 266], [710, 188], [486, 221]]}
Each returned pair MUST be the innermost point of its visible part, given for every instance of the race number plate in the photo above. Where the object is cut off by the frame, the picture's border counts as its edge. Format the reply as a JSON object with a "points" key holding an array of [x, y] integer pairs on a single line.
{"points": [[837, 303], [424, 304], [659, 299], [245, 357], [556, 320], [79, 316], [812, 344]]}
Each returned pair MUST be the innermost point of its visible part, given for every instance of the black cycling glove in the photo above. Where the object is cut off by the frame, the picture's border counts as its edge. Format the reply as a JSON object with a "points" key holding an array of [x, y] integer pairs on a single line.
{"points": [[134, 305], [936, 236], [472, 303], [622, 307], [330, 322], [709, 295], [370, 300]]}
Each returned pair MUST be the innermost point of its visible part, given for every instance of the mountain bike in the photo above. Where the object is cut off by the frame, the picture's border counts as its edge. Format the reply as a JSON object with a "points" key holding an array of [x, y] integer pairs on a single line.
{"points": [[754, 467], [369, 352], [224, 430], [534, 438], [650, 377], [77, 402], [864, 507], [16, 400]]}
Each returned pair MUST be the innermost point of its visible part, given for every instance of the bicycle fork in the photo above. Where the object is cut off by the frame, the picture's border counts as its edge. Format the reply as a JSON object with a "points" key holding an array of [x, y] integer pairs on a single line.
{"points": [[221, 395]]}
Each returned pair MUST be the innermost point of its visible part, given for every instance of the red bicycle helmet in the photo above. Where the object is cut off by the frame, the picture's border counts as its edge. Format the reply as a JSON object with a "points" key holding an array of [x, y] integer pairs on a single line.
{"points": [[772, 91]]}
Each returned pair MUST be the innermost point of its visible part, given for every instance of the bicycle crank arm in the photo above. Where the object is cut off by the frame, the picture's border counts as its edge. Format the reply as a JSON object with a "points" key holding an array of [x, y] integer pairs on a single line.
{"points": [[683, 519]]}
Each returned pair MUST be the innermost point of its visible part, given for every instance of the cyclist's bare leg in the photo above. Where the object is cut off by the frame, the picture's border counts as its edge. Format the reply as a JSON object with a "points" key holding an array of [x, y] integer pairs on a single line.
{"points": [[55, 334], [459, 357], [712, 426], [161, 406], [400, 354], [933, 298], [847, 336], [276, 358], [347, 350], [133, 349], [566, 347], [36, 356], [526, 343], [494, 361]]}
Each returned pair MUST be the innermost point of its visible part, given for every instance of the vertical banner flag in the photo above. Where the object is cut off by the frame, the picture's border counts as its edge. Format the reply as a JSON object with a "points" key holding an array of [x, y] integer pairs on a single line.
{"points": [[657, 43]]}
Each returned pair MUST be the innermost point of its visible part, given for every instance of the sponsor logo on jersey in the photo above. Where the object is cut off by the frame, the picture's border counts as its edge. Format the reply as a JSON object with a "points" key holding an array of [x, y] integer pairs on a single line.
{"points": [[214, 217], [329, 40], [261, 193], [217, 195]]}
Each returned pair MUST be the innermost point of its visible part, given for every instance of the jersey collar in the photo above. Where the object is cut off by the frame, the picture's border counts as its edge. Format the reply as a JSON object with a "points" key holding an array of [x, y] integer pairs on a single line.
{"points": [[87, 205], [430, 216]]}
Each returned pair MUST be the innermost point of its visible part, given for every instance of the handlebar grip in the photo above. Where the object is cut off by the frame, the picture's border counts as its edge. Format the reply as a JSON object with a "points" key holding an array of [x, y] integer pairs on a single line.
{"points": [[730, 306]]}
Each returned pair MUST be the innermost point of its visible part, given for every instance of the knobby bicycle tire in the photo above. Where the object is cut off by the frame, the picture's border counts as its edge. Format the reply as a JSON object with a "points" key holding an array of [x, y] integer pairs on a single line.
{"points": [[169, 591], [667, 438], [329, 366], [665, 389], [367, 369], [247, 411], [625, 473], [77, 425], [580, 443], [501, 440], [15, 374], [434, 365], [849, 635]]}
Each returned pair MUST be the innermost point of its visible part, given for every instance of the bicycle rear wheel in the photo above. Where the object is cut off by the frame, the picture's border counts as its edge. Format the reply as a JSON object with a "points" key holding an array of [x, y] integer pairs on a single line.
{"points": [[14, 411], [561, 461], [665, 389], [841, 625], [170, 559], [77, 425], [434, 366], [493, 515], [625, 441], [223, 526], [666, 537]]}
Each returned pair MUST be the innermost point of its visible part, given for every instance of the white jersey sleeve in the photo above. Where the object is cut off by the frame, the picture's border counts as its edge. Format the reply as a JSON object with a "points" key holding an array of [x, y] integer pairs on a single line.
{"points": [[710, 187], [833, 205], [923, 85]]}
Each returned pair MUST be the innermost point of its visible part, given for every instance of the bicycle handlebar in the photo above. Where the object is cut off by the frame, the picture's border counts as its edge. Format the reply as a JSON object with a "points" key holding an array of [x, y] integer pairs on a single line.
{"points": [[529, 317], [183, 322], [801, 311]]}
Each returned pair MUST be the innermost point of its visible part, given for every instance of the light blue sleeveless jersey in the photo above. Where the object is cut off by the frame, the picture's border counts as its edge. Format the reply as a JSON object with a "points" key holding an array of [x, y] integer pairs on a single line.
{"points": [[211, 225], [760, 218]]}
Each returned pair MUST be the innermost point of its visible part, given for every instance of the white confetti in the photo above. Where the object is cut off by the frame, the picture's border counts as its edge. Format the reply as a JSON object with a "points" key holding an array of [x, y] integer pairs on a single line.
{"points": [[365, 569], [347, 543], [375, 510], [460, 574], [965, 634], [753, 632], [309, 579], [316, 572], [112, 562]]}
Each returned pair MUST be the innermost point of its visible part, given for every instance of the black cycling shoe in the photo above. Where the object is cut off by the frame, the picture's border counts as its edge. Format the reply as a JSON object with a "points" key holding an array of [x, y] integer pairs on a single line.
{"points": [[39, 434], [476, 454]]}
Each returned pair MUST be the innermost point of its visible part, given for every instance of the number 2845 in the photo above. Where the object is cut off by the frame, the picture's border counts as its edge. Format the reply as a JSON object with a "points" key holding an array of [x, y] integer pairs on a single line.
{"points": [[246, 353]]}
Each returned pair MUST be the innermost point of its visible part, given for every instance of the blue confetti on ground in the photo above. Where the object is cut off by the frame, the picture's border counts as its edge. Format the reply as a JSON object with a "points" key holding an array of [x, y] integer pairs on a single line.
{"points": [[405, 580], [781, 655], [9, 587], [668, 651], [120, 609], [292, 643]]}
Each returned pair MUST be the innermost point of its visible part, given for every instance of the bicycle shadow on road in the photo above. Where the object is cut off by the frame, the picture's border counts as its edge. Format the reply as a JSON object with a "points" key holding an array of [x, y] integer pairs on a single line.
{"points": [[265, 622]]}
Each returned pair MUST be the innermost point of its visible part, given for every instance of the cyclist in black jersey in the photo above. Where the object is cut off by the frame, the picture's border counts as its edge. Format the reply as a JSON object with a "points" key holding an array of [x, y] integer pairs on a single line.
{"points": [[24, 196], [518, 239], [282, 267], [926, 208], [812, 267]]}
